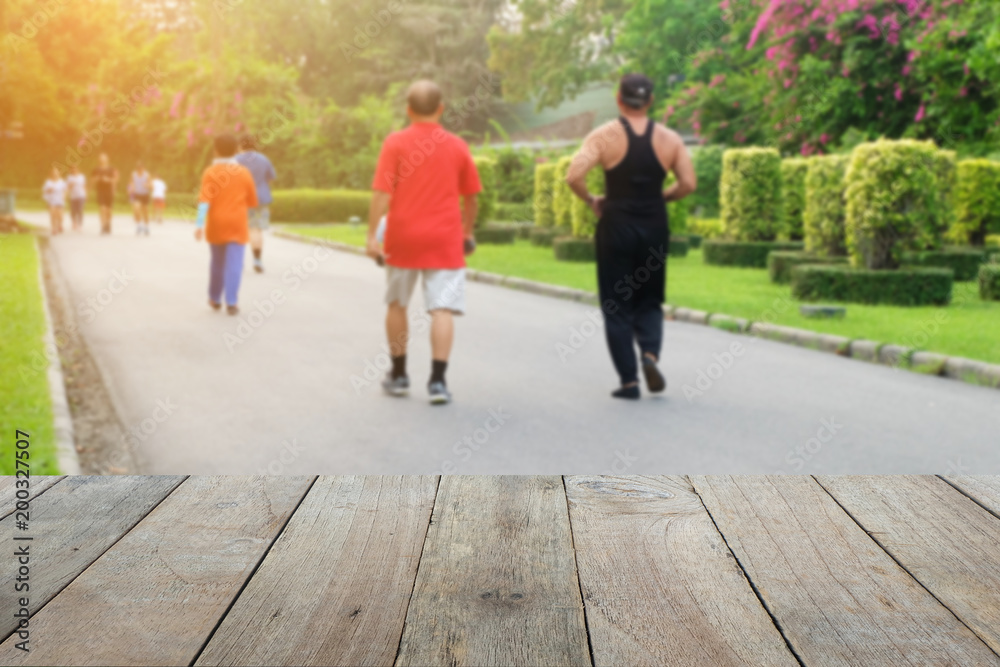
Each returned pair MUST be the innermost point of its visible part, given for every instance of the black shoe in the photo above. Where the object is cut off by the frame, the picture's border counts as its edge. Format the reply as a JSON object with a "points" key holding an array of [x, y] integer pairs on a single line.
{"points": [[655, 381], [232, 310], [213, 305], [630, 393]]}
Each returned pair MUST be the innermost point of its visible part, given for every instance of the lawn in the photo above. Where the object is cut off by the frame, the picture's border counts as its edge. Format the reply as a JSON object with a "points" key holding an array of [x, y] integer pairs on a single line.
{"points": [[966, 328], [24, 391]]}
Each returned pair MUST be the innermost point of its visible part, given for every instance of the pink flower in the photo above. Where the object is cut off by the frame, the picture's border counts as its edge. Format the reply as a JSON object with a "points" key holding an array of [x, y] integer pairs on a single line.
{"points": [[963, 91], [899, 93], [175, 106], [824, 138], [920, 114]]}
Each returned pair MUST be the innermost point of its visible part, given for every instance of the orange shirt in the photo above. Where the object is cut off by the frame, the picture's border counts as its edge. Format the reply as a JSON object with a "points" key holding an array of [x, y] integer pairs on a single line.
{"points": [[228, 188]]}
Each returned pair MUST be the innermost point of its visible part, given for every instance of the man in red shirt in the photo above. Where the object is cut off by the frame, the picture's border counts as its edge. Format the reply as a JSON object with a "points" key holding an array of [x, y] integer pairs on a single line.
{"points": [[426, 185]]}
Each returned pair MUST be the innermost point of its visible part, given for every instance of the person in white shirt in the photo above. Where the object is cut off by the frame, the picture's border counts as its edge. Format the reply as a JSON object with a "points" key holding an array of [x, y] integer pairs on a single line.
{"points": [[159, 198], [77, 184], [54, 194]]}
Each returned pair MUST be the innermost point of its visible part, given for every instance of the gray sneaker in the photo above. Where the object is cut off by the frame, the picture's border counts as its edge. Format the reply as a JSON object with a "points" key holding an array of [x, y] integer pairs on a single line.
{"points": [[439, 393], [398, 387]]}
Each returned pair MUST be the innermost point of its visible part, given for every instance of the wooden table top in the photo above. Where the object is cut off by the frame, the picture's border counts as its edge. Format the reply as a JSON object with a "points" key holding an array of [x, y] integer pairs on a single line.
{"points": [[455, 571]]}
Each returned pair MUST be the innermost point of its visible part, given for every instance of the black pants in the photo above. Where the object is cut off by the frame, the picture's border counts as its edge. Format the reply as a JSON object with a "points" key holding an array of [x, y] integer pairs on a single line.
{"points": [[632, 279]]}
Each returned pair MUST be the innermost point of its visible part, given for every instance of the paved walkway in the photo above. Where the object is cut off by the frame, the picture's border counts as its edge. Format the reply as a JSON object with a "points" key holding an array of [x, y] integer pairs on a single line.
{"points": [[287, 390]]}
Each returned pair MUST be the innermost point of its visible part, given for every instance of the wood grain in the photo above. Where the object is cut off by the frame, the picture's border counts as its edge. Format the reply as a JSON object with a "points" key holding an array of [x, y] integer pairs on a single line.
{"points": [[497, 582], [8, 491], [155, 597], [334, 588], [944, 539], [839, 598], [72, 524], [659, 584], [984, 489]]}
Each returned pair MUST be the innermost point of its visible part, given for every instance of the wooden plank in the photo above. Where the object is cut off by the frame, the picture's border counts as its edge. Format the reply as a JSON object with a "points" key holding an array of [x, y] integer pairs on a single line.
{"points": [[838, 597], [497, 581], [8, 491], [984, 489], [71, 526], [945, 540], [659, 584], [334, 588], [156, 596]]}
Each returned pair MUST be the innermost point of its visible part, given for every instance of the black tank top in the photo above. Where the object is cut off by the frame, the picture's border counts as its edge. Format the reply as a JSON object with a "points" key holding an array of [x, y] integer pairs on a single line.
{"points": [[634, 186]]}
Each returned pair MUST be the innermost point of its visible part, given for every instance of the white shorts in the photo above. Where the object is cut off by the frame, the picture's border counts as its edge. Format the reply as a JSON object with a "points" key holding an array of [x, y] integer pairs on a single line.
{"points": [[444, 289]]}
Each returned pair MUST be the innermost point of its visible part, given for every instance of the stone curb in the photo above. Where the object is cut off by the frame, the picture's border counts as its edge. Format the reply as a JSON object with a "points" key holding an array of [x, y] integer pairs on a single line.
{"points": [[66, 456], [957, 368]]}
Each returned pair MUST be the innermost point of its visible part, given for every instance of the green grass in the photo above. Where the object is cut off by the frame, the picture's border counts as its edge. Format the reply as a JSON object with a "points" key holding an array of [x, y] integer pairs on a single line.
{"points": [[966, 328], [24, 389]]}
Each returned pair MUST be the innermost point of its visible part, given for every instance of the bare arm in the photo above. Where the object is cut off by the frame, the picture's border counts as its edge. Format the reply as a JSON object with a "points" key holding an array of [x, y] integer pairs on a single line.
{"points": [[378, 208], [684, 171], [588, 157], [470, 209]]}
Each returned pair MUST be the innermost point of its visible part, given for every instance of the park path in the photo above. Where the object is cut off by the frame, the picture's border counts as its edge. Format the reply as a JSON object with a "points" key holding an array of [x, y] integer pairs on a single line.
{"points": [[286, 391]]}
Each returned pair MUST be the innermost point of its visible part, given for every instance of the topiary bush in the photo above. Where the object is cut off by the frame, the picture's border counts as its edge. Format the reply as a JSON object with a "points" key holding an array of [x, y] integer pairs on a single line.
{"points": [[946, 170], [977, 202], [679, 246], [694, 240], [823, 218], [989, 282], [487, 168], [584, 222], [574, 249], [750, 194], [545, 174], [543, 236], [562, 196], [750, 254], [707, 228], [894, 202], [793, 183], [493, 233], [319, 205], [902, 287], [963, 261], [781, 262], [708, 170]]}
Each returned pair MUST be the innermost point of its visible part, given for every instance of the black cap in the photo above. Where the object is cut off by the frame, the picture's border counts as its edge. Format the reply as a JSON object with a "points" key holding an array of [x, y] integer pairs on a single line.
{"points": [[635, 90]]}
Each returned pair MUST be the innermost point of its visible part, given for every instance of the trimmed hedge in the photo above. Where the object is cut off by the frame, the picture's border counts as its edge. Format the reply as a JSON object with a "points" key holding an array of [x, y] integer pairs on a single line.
{"points": [[750, 194], [752, 254], [793, 183], [513, 212], [989, 282], [964, 262], [679, 246], [562, 196], [496, 234], [573, 249], [946, 170], [488, 198], [694, 240], [781, 262], [894, 201], [977, 202], [823, 218], [707, 228], [543, 236], [900, 287], [307, 205], [545, 174], [708, 170], [582, 218]]}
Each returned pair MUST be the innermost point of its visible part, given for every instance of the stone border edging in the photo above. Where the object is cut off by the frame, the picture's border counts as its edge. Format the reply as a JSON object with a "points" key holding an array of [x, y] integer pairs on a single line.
{"points": [[66, 456], [930, 363]]}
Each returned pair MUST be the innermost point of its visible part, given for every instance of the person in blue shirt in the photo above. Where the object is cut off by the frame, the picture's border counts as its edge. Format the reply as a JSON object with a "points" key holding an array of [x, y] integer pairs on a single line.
{"points": [[263, 175]]}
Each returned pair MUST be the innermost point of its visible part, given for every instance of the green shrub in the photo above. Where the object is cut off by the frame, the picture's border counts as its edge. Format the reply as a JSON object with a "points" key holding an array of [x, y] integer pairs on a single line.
{"points": [[496, 234], [679, 246], [793, 184], [707, 228], [946, 170], [708, 170], [899, 287], [319, 205], [750, 194], [893, 201], [574, 249], [781, 262], [823, 218], [513, 212], [694, 240], [543, 236], [989, 282], [562, 196], [993, 240], [515, 174], [584, 222], [963, 261], [752, 254], [977, 202], [487, 168], [545, 174]]}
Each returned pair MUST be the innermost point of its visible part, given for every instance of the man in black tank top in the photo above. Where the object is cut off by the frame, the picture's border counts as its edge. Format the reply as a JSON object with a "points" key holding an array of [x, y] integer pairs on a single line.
{"points": [[633, 233]]}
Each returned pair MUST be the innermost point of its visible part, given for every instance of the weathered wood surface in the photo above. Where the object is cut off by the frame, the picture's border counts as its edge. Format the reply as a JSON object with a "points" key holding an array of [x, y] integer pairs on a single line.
{"points": [[984, 490], [71, 525], [946, 541], [497, 582], [155, 597], [36, 487], [838, 597], [335, 587], [659, 584]]}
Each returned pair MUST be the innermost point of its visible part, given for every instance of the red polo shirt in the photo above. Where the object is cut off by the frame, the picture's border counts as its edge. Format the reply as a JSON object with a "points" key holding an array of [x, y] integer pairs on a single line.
{"points": [[426, 170]]}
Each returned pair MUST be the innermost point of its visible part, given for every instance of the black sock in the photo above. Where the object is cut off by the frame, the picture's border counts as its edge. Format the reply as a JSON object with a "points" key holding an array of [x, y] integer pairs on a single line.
{"points": [[256, 253], [399, 366], [437, 371]]}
